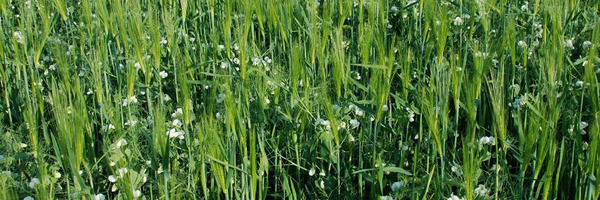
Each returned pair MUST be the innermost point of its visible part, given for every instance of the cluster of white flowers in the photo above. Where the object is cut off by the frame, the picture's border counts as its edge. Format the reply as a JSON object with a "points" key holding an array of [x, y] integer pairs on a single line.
{"points": [[34, 182], [582, 125], [323, 122], [357, 110], [163, 74], [19, 37], [481, 190], [177, 113], [487, 140], [130, 100], [173, 133]]}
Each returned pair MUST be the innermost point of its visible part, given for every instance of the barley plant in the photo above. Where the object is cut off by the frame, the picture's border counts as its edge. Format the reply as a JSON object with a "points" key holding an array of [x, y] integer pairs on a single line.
{"points": [[295, 99]]}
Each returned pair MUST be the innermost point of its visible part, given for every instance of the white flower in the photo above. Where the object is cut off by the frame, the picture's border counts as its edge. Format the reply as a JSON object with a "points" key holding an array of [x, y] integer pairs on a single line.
{"points": [[522, 44], [28, 198], [487, 140], [178, 112], [386, 198], [327, 124], [481, 190], [221, 47], [456, 169], [267, 101], [454, 197], [396, 186], [569, 44], [130, 122], [114, 188], [99, 197], [163, 74], [120, 143], [33, 182], [404, 148], [221, 97], [256, 61], [354, 123], [112, 178], [385, 108], [57, 175], [166, 97], [322, 173], [137, 193], [457, 21], [192, 39], [322, 184], [23, 145], [224, 65], [122, 172], [177, 123], [359, 112], [342, 125], [172, 133], [583, 125], [137, 65], [579, 84], [163, 41], [267, 59], [311, 172], [586, 44], [19, 37]]}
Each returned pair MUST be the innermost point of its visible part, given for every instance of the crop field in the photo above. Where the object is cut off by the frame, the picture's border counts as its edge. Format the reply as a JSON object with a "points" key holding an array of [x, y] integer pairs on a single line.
{"points": [[299, 99]]}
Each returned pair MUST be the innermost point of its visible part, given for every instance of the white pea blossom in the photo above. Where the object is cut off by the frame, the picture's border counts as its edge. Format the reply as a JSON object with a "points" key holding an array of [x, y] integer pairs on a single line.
{"points": [[522, 44], [311, 172], [481, 190], [137, 193], [177, 123], [586, 44], [112, 178], [120, 143], [457, 21], [163, 74], [487, 140], [454, 197], [57, 174], [354, 123], [33, 182], [397, 186], [137, 66], [28, 198], [19, 37], [99, 197], [569, 44], [177, 113], [224, 65]]}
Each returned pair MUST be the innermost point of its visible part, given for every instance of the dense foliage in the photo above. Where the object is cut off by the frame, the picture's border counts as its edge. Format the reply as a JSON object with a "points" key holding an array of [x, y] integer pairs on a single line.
{"points": [[317, 99]]}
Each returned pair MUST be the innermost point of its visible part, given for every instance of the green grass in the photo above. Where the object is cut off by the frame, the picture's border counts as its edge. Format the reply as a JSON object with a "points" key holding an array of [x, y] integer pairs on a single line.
{"points": [[336, 99]]}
